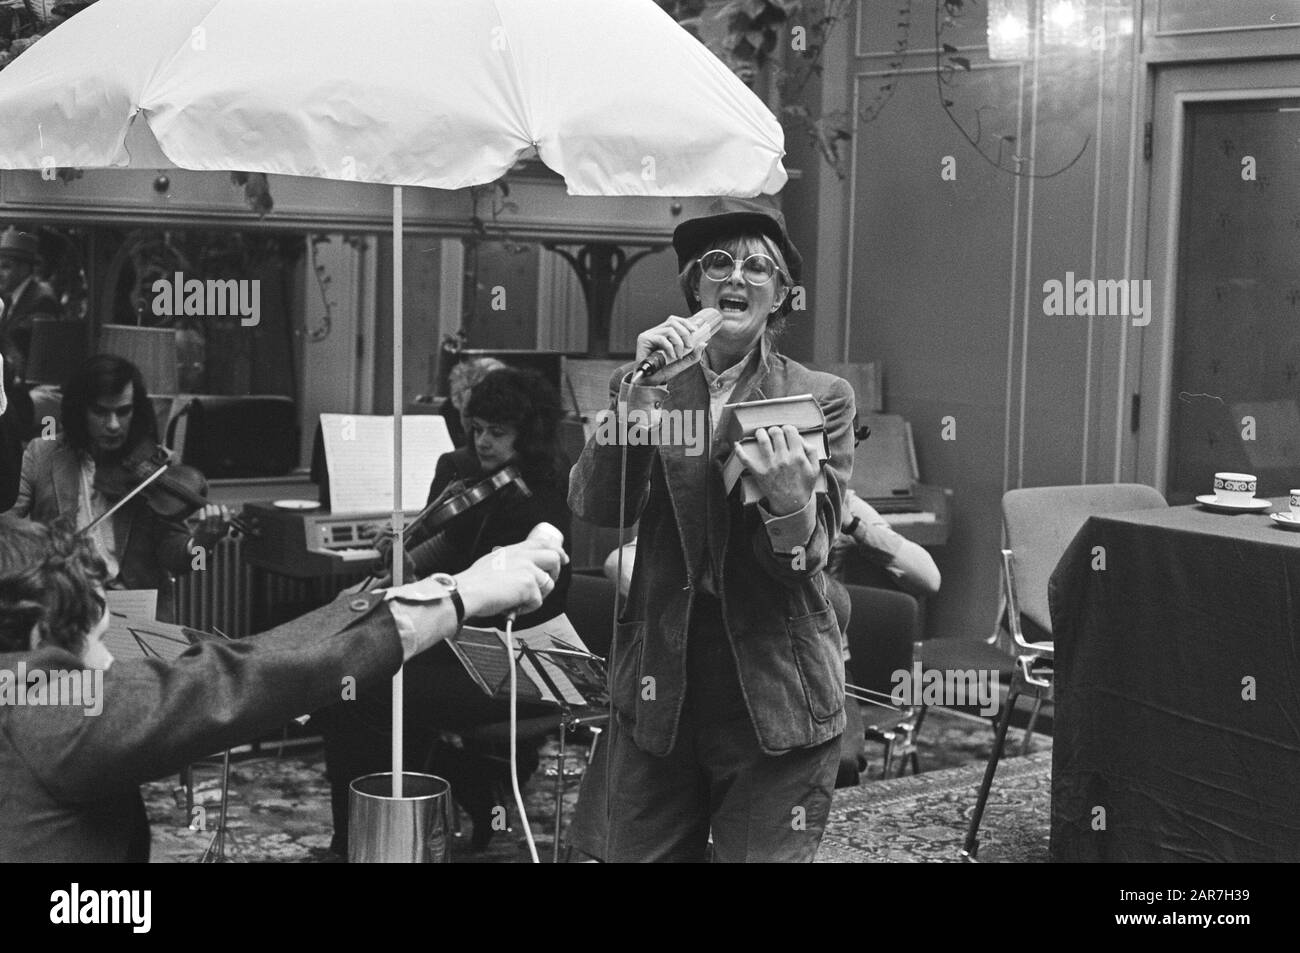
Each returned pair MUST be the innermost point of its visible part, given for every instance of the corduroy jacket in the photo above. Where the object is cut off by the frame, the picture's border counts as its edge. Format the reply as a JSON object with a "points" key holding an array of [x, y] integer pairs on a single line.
{"points": [[781, 627]]}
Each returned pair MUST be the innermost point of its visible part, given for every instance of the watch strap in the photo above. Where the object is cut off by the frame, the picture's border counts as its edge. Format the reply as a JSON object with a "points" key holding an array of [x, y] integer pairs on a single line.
{"points": [[448, 582]]}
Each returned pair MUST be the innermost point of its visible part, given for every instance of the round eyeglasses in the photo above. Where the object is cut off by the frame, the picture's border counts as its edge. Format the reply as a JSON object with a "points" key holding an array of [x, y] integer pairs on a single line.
{"points": [[756, 269]]}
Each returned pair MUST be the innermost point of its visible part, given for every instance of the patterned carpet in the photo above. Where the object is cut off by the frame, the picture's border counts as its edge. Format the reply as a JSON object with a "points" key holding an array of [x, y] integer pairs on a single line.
{"points": [[279, 807], [923, 819]]}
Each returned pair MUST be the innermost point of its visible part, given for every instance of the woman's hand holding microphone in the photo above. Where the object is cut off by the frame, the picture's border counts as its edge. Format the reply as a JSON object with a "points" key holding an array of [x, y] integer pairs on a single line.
{"points": [[677, 338]]}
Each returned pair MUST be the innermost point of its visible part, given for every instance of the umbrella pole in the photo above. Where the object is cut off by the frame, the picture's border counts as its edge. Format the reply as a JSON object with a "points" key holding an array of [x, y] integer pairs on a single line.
{"points": [[399, 548]]}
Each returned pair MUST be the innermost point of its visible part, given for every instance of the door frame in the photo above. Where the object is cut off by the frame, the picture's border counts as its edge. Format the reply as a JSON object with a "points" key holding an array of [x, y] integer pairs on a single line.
{"points": [[1173, 88]]}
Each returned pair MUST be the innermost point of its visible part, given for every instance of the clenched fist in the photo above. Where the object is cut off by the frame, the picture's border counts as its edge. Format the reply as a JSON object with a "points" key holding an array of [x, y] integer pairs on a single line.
{"points": [[511, 579]]}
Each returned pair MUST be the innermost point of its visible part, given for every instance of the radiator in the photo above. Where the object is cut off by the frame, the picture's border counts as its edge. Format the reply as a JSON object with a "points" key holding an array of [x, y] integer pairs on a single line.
{"points": [[219, 598]]}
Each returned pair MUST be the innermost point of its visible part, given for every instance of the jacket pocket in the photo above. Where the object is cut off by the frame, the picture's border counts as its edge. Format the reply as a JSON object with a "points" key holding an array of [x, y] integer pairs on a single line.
{"points": [[815, 640], [625, 672]]}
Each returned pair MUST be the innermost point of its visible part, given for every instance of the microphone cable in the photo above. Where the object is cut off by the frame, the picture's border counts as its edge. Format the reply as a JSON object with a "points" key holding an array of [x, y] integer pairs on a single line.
{"points": [[613, 629], [514, 739], [536, 533]]}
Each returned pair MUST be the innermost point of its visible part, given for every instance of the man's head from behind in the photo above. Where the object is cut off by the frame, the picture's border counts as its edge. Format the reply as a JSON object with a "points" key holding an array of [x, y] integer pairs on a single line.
{"points": [[50, 587]]}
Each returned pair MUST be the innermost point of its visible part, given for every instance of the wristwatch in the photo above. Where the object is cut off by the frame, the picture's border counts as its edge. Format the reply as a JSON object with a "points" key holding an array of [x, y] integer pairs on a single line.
{"points": [[849, 530], [449, 583]]}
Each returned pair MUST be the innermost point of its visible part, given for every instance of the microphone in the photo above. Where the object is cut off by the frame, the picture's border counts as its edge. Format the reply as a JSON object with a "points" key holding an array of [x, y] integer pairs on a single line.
{"points": [[706, 321], [541, 533]]}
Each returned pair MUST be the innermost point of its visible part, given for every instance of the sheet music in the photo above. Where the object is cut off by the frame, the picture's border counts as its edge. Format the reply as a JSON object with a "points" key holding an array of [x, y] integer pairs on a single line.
{"points": [[134, 639], [133, 603], [554, 633], [359, 456], [482, 652]]}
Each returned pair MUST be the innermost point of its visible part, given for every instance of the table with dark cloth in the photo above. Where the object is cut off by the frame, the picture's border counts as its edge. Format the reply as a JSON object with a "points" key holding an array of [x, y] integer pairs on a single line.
{"points": [[1155, 658]]}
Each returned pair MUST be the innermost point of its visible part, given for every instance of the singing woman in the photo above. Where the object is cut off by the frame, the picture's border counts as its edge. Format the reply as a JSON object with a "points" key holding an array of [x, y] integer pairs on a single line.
{"points": [[727, 674]]}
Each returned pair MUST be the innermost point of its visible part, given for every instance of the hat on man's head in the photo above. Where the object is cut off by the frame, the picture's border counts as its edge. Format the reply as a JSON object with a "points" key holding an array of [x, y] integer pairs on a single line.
{"points": [[19, 245], [727, 217]]}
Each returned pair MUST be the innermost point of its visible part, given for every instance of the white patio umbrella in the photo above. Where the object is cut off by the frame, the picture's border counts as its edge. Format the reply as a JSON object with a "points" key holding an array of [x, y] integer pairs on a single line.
{"points": [[611, 94]]}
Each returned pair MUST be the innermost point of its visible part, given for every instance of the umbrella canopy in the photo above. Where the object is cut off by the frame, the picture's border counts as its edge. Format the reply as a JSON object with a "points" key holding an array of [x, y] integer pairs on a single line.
{"points": [[611, 94]]}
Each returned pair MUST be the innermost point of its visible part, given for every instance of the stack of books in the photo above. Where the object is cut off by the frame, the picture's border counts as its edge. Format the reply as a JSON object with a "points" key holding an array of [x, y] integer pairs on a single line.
{"points": [[739, 427]]}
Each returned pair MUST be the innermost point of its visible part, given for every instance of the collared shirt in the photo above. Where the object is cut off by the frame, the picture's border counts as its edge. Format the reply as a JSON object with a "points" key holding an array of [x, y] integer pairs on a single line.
{"points": [[722, 386], [92, 504], [423, 613]]}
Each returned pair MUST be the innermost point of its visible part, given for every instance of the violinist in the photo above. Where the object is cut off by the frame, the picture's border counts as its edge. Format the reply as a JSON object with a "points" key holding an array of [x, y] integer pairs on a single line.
{"points": [[514, 416], [108, 418]]}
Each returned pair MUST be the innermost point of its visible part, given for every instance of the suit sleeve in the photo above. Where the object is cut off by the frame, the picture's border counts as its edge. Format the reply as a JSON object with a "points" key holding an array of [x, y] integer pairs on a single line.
{"points": [[596, 479], [794, 561], [157, 716]]}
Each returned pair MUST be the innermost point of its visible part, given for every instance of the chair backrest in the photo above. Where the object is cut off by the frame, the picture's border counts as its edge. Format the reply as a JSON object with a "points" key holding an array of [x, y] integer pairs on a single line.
{"points": [[1042, 521], [590, 607], [883, 626]]}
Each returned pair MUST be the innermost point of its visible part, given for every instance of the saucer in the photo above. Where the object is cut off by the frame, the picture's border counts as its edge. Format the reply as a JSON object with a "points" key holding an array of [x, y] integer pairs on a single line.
{"points": [[1285, 520], [1211, 502]]}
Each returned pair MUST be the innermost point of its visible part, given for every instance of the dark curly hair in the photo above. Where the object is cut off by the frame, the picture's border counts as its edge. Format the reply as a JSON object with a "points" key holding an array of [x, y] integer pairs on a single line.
{"points": [[526, 401], [48, 580], [102, 376]]}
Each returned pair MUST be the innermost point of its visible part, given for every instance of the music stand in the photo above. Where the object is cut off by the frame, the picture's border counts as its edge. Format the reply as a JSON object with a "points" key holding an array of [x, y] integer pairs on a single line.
{"points": [[129, 638], [590, 668], [556, 672]]}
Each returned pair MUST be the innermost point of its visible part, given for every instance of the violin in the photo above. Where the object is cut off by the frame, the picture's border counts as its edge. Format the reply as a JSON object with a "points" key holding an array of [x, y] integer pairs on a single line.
{"points": [[170, 490], [451, 503], [445, 509]]}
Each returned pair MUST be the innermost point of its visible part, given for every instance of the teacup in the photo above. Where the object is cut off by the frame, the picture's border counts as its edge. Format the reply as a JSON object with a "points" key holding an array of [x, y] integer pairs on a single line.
{"points": [[1295, 504], [1235, 488]]}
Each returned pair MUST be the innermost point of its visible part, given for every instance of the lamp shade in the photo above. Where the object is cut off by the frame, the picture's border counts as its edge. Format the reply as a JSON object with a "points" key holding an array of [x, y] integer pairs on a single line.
{"points": [[153, 350], [58, 347]]}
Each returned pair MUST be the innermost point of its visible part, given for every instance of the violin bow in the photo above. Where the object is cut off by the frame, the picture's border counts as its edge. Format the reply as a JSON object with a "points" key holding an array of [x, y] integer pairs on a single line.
{"points": [[126, 499], [235, 521]]}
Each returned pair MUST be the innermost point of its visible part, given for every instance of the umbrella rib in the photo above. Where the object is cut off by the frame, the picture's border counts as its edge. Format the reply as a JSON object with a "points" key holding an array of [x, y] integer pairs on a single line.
{"points": [[159, 68], [516, 74]]}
